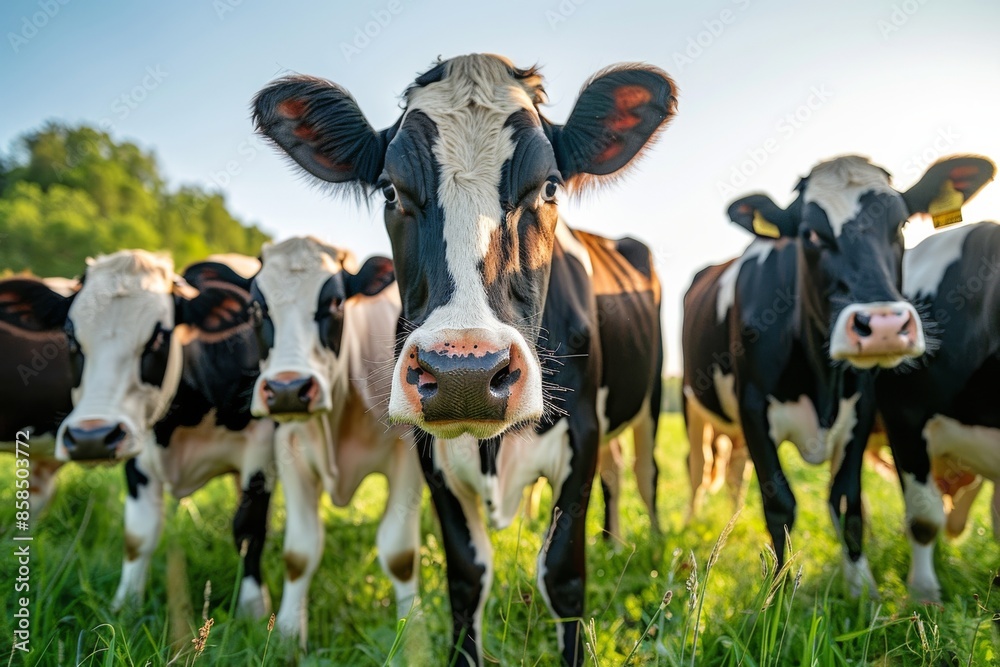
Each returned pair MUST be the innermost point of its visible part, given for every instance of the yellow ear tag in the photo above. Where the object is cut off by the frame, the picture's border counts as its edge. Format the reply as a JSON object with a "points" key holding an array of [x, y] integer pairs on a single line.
{"points": [[946, 208], [762, 227]]}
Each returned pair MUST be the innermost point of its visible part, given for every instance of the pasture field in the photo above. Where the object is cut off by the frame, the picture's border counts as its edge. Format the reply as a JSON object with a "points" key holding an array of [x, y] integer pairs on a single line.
{"points": [[733, 611]]}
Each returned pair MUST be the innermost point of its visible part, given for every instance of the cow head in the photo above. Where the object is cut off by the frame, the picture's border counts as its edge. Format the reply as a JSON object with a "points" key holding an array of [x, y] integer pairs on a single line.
{"points": [[300, 303], [471, 174], [124, 329], [847, 222]]}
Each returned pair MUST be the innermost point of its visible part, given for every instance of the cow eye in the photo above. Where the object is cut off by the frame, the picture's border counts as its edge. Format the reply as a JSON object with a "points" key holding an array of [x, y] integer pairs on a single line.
{"points": [[389, 192], [549, 191]]}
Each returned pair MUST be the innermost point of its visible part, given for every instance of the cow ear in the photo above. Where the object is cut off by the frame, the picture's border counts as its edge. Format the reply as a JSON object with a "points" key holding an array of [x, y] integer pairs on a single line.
{"points": [[375, 275], [618, 114], [30, 304], [947, 185], [218, 308], [759, 215], [202, 273], [320, 126]]}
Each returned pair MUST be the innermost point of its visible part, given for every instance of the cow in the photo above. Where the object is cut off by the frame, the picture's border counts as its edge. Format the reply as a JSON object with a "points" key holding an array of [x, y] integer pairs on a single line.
{"points": [[941, 416], [162, 376], [35, 383], [326, 332], [811, 309], [496, 292]]}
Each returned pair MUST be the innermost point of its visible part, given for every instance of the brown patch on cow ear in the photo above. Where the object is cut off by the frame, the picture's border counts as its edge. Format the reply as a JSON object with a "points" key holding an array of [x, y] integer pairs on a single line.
{"points": [[401, 565], [132, 545], [295, 564]]}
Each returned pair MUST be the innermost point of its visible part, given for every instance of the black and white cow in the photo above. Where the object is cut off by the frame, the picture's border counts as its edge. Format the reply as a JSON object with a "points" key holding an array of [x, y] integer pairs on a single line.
{"points": [[162, 377], [493, 287], [943, 417], [809, 315], [35, 382], [326, 332]]}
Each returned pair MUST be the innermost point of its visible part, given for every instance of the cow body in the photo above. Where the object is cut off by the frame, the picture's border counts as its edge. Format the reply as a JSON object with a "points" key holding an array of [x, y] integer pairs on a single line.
{"points": [[162, 378], [602, 320], [326, 346], [942, 417], [471, 174], [35, 384], [809, 309]]}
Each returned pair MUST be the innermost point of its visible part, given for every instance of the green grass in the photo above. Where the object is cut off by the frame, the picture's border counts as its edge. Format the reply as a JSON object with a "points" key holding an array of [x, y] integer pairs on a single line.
{"points": [[733, 611]]}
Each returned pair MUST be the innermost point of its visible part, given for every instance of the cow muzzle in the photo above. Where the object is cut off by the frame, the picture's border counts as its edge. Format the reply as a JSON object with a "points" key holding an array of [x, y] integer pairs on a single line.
{"points": [[878, 334], [95, 440], [288, 395], [466, 383]]}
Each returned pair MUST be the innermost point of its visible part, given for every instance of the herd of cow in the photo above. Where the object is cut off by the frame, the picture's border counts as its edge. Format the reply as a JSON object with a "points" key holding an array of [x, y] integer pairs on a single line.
{"points": [[498, 346]]}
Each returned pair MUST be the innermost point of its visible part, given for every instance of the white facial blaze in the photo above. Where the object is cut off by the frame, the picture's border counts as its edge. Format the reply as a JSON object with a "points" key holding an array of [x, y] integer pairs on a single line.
{"points": [[291, 279], [470, 107], [837, 186], [114, 315]]}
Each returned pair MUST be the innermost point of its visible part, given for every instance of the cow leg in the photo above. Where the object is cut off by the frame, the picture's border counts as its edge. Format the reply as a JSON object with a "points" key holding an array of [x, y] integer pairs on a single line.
{"points": [[468, 557], [924, 507], [845, 502], [779, 501], [610, 466], [143, 526], [647, 473], [303, 547], [250, 521], [700, 437], [961, 505], [721, 448], [42, 482], [398, 537], [738, 472], [562, 575]]}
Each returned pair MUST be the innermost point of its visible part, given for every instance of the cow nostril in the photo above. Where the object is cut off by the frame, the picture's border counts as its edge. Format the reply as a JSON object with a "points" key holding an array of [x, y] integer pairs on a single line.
{"points": [[306, 390], [116, 435], [501, 379], [862, 325], [907, 327]]}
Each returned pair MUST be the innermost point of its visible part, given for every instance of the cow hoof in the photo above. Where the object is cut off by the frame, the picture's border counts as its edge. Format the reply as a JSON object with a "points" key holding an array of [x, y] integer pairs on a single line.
{"points": [[925, 593], [254, 602]]}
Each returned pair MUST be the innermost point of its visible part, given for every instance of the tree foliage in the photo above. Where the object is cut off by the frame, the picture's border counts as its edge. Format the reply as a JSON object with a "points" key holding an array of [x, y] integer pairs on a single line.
{"points": [[68, 193]]}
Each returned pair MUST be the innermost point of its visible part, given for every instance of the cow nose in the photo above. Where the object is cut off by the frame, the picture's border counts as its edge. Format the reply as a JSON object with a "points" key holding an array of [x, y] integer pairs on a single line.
{"points": [[878, 334], [463, 387], [94, 440], [294, 395]]}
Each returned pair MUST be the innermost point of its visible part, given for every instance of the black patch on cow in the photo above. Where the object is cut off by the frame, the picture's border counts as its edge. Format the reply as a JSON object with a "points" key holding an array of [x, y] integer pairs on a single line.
{"points": [[489, 450], [134, 478], [155, 356], [415, 226], [330, 312], [250, 523], [261, 321]]}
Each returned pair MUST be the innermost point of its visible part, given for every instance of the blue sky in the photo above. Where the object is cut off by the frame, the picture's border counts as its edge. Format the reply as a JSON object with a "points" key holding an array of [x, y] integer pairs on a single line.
{"points": [[767, 89]]}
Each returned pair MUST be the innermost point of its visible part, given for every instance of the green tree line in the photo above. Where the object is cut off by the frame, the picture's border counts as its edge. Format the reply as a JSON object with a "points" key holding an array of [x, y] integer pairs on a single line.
{"points": [[68, 193]]}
